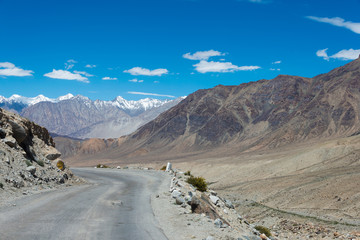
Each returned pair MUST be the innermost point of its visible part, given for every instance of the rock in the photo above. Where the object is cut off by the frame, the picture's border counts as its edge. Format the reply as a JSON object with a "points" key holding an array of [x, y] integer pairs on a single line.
{"points": [[263, 236], [2, 133], [118, 167], [168, 167], [209, 238], [218, 223], [19, 132], [31, 169], [179, 200], [212, 192], [175, 194], [53, 154], [194, 203], [214, 199], [10, 141], [188, 199], [61, 180], [229, 204]]}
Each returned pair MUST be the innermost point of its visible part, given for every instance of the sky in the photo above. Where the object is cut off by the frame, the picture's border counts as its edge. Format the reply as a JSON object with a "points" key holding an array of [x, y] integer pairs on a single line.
{"points": [[168, 48]]}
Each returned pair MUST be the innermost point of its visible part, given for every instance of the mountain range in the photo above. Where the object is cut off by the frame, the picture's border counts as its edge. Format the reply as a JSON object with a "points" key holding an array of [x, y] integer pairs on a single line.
{"points": [[290, 143], [80, 117], [266, 114]]}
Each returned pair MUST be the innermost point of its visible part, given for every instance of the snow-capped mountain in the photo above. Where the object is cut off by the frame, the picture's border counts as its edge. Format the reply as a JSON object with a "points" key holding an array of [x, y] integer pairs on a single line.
{"points": [[131, 106], [78, 116]]}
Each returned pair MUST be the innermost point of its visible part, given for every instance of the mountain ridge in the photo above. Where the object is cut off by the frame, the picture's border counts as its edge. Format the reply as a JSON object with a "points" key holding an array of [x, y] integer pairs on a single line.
{"points": [[256, 115]]}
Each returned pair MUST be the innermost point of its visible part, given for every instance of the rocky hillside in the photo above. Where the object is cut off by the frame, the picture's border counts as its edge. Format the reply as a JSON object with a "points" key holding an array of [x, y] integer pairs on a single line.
{"points": [[257, 115], [28, 158], [80, 117]]}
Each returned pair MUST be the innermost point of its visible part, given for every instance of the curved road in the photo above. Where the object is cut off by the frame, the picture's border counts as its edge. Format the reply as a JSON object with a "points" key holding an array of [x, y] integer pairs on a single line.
{"points": [[115, 205]]}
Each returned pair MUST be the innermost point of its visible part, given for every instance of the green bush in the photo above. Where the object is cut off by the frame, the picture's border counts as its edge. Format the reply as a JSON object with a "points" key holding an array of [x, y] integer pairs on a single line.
{"points": [[198, 182], [187, 173], [263, 230], [102, 166], [60, 165], [163, 168], [28, 163], [1, 185], [41, 163]]}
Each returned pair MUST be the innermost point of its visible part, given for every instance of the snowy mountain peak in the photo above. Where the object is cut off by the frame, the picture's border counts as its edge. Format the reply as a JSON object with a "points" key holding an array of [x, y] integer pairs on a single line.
{"points": [[129, 106], [65, 97]]}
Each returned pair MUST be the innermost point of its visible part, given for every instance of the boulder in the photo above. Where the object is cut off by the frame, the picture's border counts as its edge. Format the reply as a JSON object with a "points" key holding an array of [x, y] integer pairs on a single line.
{"points": [[2, 133], [229, 204], [10, 141], [19, 133], [218, 223], [188, 198], [168, 167], [194, 203], [175, 194], [31, 169], [52, 154], [179, 200], [61, 180], [263, 236], [210, 238], [214, 199]]}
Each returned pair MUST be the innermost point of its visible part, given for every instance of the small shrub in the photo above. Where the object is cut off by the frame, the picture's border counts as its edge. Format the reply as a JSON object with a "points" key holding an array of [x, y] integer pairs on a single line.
{"points": [[41, 163], [187, 173], [61, 165], [1, 185], [263, 230], [28, 163], [102, 166], [163, 168], [198, 182]]}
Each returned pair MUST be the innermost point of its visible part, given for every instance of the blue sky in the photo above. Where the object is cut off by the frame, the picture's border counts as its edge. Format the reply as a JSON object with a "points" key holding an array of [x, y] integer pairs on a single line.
{"points": [[103, 49]]}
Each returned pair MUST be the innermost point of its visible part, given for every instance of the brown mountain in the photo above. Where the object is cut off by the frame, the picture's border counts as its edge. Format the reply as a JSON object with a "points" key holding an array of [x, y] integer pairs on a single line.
{"points": [[257, 115]]}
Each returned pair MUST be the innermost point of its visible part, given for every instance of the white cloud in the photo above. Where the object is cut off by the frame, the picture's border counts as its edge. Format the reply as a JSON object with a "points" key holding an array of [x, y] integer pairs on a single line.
{"points": [[66, 75], [70, 64], [345, 54], [146, 72], [9, 69], [322, 53], [151, 94], [109, 78], [276, 62], [204, 67], [135, 80], [156, 82], [340, 22], [274, 69], [258, 1], [90, 66], [203, 55], [84, 73]]}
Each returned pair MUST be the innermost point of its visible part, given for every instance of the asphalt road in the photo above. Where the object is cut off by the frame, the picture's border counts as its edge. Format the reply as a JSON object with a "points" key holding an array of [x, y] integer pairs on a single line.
{"points": [[116, 205]]}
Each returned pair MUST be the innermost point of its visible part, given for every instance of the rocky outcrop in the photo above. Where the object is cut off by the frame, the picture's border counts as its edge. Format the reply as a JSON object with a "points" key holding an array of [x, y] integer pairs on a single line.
{"points": [[27, 154]]}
